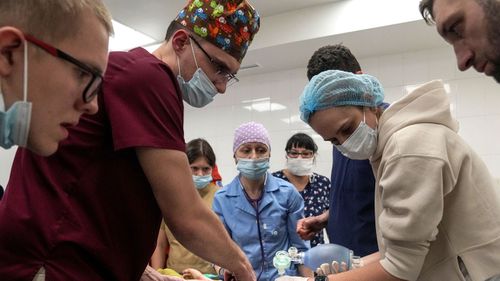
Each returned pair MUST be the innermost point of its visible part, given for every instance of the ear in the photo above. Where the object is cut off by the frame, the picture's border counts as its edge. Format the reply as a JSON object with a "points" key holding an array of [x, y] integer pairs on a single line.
{"points": [[378, 110], [11, 41], [375, 110], [180, 41]]}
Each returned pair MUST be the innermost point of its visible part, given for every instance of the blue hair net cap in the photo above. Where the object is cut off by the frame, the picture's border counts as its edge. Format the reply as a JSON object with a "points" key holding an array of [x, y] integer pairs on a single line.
{"points": [[333, 88]]}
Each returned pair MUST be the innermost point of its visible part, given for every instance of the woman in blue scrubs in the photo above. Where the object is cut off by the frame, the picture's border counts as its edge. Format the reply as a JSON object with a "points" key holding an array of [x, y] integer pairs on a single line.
{"points": [[259, 211]]}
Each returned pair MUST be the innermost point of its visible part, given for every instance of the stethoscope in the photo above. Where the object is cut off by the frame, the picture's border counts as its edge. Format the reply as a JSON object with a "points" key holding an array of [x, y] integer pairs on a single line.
{"points": [[255, 205]]}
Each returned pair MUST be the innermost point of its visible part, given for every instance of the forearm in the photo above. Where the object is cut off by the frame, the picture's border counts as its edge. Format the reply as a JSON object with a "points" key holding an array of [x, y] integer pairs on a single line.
{"points": [[189, 219], [158, 259], [375, 257], [371, 272], [207, 238], [323, 218]]}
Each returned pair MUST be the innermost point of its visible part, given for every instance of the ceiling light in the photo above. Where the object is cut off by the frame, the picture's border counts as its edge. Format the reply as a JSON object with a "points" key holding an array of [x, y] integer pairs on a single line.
{"points": [[292, 119], [265, 106], [256, 100]]}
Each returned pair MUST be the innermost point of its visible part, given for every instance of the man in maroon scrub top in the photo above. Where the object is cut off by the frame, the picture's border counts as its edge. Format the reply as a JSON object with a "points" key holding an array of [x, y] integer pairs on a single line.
{"points": [[92, 211]]}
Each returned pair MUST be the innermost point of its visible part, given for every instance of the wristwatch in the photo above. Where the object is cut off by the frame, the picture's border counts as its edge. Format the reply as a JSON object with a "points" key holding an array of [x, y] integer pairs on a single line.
{"points": [[320, 278]]}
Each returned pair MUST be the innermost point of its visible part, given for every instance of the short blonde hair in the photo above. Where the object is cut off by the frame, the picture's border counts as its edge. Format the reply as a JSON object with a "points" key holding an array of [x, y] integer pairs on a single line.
{"points": [[52, 19]]}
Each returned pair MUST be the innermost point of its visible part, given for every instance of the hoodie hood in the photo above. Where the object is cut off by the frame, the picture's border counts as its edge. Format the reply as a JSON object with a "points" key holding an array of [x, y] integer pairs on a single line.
{"points": [[428, 103]]}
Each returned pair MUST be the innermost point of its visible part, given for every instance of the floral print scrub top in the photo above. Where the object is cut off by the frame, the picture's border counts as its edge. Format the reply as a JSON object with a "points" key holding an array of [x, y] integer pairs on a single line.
{"points": [[316, 196]]}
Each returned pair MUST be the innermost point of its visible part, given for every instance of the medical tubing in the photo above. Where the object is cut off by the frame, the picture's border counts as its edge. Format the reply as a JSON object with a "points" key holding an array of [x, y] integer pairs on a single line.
{"points": [[255, 204]]}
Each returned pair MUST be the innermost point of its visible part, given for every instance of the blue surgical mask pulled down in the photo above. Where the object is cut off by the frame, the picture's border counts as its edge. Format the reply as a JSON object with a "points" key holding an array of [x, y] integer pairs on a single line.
{"points": [[15, 121], [361, 144], [202, 181], [199, 91], [253, 169]]}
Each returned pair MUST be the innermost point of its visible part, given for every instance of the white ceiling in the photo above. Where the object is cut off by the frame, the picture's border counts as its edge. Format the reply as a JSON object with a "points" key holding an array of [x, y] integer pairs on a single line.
{"points": [[153, 16]]}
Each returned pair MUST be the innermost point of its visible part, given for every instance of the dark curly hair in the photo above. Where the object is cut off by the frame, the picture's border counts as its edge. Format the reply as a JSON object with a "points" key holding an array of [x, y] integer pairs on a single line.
{"points": [[332, 57], [425, 8], [427, 13]]}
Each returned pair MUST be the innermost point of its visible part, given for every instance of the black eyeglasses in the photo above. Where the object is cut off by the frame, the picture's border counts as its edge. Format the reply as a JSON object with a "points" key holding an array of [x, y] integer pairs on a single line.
{"points": [[221, 70], [93, 85], [296, 154]]}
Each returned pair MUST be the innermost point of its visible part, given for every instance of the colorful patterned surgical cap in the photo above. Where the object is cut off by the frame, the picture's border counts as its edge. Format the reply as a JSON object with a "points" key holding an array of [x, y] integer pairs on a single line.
{"points": [[228, 24]]}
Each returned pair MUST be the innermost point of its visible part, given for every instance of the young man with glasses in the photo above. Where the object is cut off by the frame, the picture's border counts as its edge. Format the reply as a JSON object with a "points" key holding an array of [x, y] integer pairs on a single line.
{"points": [[101, 197], [204, 66], [50, 68]]}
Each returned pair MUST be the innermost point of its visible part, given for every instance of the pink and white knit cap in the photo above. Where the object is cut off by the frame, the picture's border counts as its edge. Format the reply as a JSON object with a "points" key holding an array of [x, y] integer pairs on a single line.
{"points": [[250, 132]]}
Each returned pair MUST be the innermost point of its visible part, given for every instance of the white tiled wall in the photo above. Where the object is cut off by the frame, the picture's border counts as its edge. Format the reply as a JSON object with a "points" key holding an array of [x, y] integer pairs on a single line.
{"points": [[272, 99], [6, 158], [475, 102]]}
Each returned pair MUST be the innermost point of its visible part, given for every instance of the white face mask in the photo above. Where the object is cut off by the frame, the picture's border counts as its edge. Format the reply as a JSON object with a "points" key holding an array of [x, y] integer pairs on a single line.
{"points": [[15, 122], [199, 91], [300, 166], [361, 144]]}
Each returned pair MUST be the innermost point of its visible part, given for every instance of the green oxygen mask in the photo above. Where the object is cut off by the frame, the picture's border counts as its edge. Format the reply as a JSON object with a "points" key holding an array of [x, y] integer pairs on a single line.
{"points": [[281, 261]]}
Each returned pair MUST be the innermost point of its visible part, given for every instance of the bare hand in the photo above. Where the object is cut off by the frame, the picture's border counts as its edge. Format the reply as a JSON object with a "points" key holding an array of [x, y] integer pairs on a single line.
{"points": [[228, 276], [308, 227], [247, 274], [193, 274]]}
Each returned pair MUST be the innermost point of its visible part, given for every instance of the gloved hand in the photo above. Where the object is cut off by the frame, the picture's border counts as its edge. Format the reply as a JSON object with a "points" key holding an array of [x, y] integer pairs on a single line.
{"points": [[290, 278], [333, 268]]}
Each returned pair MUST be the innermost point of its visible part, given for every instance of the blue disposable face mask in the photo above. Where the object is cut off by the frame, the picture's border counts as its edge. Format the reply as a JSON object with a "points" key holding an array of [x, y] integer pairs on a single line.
{"points": [[253, 169], [199, 91], [202, 181], [15, 122], [361, 144]]}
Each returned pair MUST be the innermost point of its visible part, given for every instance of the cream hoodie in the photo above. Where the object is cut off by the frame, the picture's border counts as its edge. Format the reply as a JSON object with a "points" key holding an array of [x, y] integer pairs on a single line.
{"points": [[437, 207]]}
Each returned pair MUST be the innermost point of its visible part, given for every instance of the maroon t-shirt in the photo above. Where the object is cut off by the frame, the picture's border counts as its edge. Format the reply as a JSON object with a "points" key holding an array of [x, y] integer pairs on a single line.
{"points": [[88, 211]]}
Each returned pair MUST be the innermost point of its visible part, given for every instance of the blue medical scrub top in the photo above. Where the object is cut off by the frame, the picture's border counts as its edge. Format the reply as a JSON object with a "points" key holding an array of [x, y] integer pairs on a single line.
{"points": [[351, 221], [279, 209]]}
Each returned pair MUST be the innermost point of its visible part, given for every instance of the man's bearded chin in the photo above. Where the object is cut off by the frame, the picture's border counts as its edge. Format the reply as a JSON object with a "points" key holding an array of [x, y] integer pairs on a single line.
{"points": [[496, 74], [492, 12], [495, 43]]}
